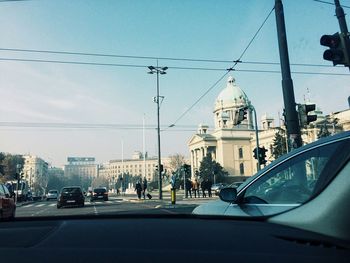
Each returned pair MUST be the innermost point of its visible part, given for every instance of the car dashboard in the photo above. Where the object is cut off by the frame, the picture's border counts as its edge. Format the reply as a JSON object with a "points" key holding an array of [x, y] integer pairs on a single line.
{"points": [[163, 238]]}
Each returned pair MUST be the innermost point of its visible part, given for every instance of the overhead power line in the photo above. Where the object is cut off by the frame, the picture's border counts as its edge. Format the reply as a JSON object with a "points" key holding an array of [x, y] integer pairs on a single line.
{"points": [[329, 3], [86, 126], [216, 82], [62, 125], [170, 67], [155, 58]]}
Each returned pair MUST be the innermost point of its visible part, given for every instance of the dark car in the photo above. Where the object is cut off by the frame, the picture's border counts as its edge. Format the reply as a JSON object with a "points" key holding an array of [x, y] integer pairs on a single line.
{"points": [[7, 204], [100, 193], [71, 196]]}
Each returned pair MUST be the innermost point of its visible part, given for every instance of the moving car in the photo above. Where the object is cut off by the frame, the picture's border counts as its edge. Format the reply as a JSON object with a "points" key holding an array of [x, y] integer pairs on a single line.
{"points": [[7, 204], [71, 196], [52, 195], [289, 182], [217, 187], [235, 184], [100, 193]]}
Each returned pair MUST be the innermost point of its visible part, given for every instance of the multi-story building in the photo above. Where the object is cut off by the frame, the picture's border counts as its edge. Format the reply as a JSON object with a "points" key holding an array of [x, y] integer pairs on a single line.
{"points": [[81, 166], [136, 166], [35, 172], [55, 171], [228, 144]]}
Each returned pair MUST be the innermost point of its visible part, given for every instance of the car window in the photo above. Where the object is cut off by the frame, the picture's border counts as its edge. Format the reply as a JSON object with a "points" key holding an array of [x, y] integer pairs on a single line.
{"points": [[6, 190], [165, 102], [99, 190], [293, 181], [2, 191], [71, 190]]}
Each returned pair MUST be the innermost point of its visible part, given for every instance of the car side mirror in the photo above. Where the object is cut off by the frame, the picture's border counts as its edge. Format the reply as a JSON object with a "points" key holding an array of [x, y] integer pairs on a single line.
{"points": [[228, 195]]}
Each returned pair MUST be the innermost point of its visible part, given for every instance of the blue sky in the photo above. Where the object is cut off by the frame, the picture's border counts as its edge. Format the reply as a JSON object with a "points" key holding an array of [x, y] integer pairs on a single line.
{"points": [[219, 30]]}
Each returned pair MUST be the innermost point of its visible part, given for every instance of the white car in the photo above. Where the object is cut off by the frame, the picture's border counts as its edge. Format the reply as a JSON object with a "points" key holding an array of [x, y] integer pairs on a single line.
{"points": [[52, 195], [297, 178]]}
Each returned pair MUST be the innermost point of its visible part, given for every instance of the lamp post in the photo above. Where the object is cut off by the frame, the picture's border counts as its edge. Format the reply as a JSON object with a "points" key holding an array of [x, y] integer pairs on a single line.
{"points": [[158, 70]]}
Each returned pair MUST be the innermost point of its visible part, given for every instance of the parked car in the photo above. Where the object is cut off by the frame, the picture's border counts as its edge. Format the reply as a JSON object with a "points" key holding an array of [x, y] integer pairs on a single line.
{"points": [[100, 193], [52, 195], [7, 204], [71, 196], [289, 182]]}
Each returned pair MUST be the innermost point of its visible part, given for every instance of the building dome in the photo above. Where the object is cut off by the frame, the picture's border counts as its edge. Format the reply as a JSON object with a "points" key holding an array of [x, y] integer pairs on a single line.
{"points": [[227, 104], [232, 95]]}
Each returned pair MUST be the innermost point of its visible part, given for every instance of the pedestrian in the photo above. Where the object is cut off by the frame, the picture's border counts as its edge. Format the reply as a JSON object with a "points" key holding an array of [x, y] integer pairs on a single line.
{"points": [[188, 185], [138, 188], [144, 187], [195, 185], [209, 185], [204, 187]]}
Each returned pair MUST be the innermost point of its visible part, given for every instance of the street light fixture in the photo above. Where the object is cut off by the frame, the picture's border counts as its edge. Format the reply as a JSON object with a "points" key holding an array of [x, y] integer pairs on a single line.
{"points": [[158, 70]]}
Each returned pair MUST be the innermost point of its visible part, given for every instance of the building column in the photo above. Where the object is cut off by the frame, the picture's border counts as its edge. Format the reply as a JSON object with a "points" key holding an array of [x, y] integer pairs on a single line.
{"points": [[192, 162]]}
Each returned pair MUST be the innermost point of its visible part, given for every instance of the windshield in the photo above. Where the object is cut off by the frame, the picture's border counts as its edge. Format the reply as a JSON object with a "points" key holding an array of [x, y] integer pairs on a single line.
{"points": [[147, 107]]}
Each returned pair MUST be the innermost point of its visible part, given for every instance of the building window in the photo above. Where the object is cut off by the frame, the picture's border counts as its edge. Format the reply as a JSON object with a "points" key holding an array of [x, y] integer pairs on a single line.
{"points": [[240, 152], [241, 168]]}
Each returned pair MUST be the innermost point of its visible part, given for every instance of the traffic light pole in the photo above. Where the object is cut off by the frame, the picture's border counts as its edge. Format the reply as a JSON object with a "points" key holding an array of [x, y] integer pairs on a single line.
{"points": [[292, 122], [256, 135], [339, 12]]}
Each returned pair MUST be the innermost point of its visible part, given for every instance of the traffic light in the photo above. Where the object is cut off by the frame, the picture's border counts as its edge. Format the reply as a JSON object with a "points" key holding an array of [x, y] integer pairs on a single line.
{"points": [[304, 117], [255, 155], [262, 155], [161, 168], [339, 48], [240, 115]]}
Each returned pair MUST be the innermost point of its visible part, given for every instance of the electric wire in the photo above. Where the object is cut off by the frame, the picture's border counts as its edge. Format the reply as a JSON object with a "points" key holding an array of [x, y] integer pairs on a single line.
{"points": [[173, 67], [325, 2], [230, 69], [156, 58]]}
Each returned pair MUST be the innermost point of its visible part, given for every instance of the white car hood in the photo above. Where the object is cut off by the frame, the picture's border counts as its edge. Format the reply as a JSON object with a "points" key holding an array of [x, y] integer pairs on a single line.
{"points": [[245, 210]]}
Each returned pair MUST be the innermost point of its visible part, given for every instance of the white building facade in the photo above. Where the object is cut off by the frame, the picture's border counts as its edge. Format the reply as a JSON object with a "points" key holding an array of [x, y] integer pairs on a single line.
{"points": [[35, 172]]}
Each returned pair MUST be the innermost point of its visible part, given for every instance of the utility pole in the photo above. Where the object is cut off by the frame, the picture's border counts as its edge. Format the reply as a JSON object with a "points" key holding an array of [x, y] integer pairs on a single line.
{"points": [[291, 115], [339, 12], [158, 70]]}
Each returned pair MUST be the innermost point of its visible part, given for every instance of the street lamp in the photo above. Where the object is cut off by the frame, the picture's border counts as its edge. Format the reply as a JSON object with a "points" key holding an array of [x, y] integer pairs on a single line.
{"points": [[158, 70]]}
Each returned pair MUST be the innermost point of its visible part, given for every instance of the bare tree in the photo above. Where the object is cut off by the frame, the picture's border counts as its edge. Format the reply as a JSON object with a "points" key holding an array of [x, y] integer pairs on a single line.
{"points": [[176, 161]]}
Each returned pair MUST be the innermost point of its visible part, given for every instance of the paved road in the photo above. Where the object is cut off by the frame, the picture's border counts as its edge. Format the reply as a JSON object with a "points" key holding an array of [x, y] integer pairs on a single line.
{"points": [[115, 205]]}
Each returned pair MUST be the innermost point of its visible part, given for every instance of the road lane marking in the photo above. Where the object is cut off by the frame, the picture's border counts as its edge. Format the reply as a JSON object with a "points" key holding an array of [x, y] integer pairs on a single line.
{"points": [[52, 204], [27, 206], [95, 210], [40, 205]]}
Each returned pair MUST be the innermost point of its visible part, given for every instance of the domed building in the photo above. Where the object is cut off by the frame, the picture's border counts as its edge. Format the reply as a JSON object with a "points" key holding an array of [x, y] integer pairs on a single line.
{"points": [[230, 142]]}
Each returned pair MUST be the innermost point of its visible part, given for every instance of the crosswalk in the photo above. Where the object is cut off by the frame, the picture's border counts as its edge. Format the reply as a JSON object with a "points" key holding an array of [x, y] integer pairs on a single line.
{"points": [[87, 203]]}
